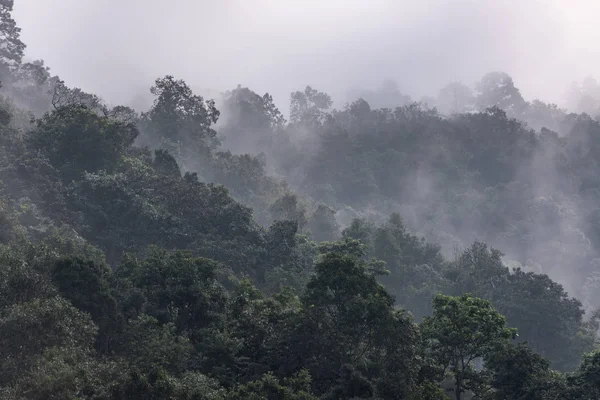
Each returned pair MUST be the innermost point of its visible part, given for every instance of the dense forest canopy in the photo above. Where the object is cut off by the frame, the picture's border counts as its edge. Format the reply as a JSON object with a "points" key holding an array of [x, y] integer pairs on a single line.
{"points": [[215, 249]]}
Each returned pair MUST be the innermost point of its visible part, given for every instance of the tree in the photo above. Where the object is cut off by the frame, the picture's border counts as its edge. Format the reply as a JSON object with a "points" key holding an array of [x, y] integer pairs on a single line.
{"points": [[289, 207], [541, 115], [351, 385], [462, 330], [584, 97], [29, 329], [65, 373], [139, 204], [343, 304], [34, 73], [87, 285], [287, 259], [323, 225], [584, 384], [414, 265], [525, 299], [165, 164], [478, 270], [247, 178], [147, 344], [360, 229], [77, 140], [179, 120], [250, 121], [11, 51], [270, 388], [21, 282], [562, 338], [154, 385], [518, 373], [122, 114], [178, 287], [65, 97], [309, 107], [258, 326], [196, 386], [498, 89]]}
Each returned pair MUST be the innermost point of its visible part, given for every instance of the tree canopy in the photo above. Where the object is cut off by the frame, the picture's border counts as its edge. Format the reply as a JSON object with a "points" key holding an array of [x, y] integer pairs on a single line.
{"points": [[209, 249]]}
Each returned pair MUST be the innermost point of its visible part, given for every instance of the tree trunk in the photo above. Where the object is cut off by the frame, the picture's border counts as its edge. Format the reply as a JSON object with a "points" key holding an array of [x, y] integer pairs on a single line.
{"points": [[458, 388]]}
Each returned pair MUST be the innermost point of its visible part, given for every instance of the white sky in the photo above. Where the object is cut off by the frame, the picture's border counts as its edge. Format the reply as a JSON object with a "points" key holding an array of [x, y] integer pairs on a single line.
{"points": [[116, 48]]}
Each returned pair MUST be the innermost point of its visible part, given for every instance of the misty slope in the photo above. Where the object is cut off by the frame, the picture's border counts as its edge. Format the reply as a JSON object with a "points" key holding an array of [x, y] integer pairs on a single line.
{"points": [[140, 258], [81, 168], [467, 175]]}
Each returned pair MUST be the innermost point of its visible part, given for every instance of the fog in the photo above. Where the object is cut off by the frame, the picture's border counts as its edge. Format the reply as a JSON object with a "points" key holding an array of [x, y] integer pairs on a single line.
{"points": [[435, 147], [116, 48]]}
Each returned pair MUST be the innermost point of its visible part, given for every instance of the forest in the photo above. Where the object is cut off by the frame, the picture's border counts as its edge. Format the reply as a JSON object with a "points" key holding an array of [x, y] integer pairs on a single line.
{"points": [[215, 249]]}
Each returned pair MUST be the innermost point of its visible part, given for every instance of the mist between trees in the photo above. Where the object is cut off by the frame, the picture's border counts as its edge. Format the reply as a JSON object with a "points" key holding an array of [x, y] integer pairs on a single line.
{"points": [[214, 249]]}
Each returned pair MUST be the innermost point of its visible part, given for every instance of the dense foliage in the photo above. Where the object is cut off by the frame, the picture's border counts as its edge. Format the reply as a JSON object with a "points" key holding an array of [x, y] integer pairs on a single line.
{"points": [[173, 255]]}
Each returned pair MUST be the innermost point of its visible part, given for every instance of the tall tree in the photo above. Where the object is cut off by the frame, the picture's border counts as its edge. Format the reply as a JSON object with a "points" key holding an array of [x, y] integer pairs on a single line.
{"points": [[29, 329], [343, 304], [518, 373], [178, 287], [498, 89], [76, 140], [309, 107], [179, 120], [11, 46], [584, 384], [86, 284], [462, 330], [251, 121]]}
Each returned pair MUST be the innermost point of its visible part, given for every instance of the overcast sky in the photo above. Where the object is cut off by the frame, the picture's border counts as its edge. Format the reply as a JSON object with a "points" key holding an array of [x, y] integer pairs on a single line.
{"points": [[116, 48]]}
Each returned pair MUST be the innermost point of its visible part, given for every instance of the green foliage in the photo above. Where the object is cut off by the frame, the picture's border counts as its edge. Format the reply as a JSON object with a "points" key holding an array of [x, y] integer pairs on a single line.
{"points": [[308, 107], [158, 384], [178, 287], [252, 122], [147, 345], [28, 329], [525, 299], [19, 281], [76, 140], [65, 373], [269, 388], [180, 121], [497, 89], [248, 180], [288, 207], [154, 385], [87, 285], [192, 271], [585, 382], [520, 373], [165, 164], [414, 267], [136, 207], [343, 304], [13, 48], [288, 259], [461, 330]]}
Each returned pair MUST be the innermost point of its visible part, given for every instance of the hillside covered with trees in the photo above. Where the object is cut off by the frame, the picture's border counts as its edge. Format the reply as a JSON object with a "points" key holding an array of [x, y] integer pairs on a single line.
{"points": [[214, 249]]}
